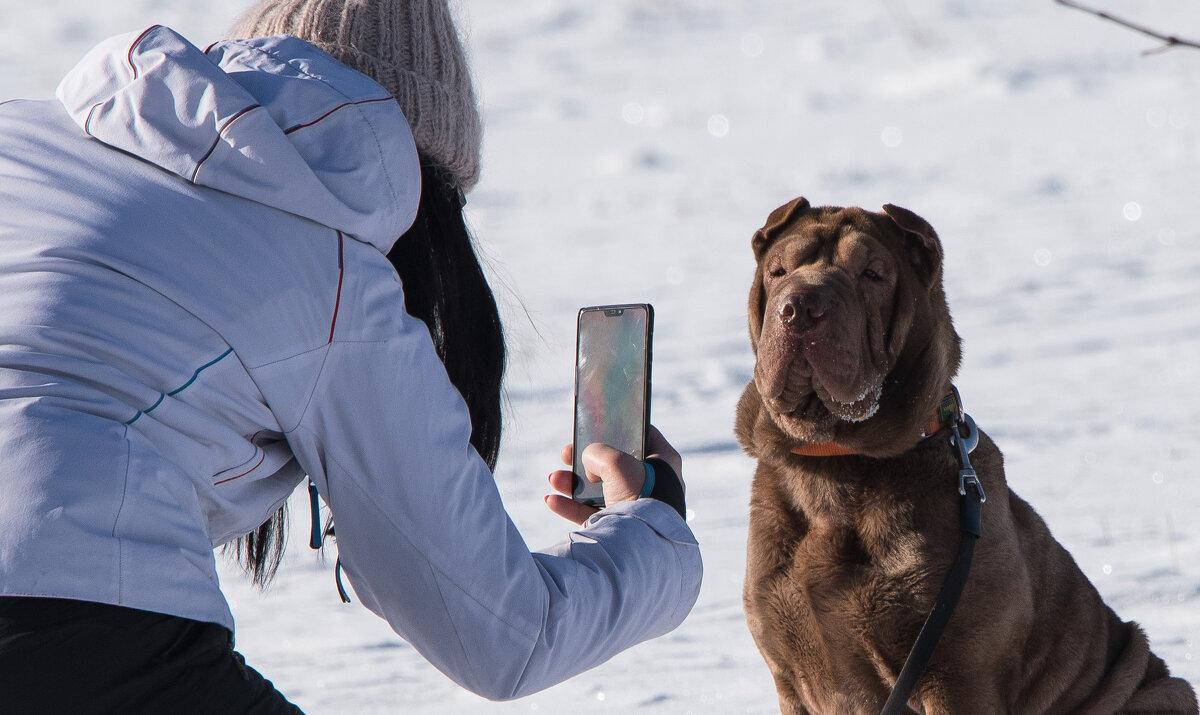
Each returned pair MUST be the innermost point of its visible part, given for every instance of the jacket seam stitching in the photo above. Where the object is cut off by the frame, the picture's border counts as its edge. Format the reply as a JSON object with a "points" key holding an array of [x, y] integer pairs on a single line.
{"points": [[317, 348], [116, 521]]}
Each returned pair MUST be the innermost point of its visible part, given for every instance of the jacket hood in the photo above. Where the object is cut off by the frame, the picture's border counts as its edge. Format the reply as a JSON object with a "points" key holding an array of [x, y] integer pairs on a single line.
{"points": [[273, 120]]}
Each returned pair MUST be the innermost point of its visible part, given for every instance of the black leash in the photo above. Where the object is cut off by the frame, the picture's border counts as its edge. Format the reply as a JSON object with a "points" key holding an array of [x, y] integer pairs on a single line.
{"points": [[970, 499]]}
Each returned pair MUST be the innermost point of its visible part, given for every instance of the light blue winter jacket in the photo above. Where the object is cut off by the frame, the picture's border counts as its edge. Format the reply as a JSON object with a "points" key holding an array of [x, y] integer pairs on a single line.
{"points": [[196, 311]]}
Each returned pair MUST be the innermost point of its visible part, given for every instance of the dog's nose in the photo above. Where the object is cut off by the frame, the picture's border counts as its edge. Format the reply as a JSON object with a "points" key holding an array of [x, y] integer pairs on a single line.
{"points": [[802, 310]]}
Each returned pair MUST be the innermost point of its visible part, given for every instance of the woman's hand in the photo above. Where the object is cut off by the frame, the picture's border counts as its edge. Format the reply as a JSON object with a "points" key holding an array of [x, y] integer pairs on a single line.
{"points": [[621, 475]]}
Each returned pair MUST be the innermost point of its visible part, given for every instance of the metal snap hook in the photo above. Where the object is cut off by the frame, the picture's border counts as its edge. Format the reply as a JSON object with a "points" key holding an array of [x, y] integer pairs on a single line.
{"points": [[970, 440], [966, 443]]}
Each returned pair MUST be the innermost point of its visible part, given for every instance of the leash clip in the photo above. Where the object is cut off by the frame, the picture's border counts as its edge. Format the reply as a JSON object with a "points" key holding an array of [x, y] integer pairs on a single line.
{"points": [[966, 444], [970, 518], [968, 476], [965, 437]]}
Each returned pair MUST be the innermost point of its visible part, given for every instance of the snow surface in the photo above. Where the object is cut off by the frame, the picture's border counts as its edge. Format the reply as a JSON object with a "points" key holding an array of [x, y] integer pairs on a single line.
{"points": [[633, 146]]}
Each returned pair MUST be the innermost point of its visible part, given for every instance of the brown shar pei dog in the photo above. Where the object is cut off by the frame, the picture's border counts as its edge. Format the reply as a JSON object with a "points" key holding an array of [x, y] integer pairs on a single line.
{"points": [[855, 350]]}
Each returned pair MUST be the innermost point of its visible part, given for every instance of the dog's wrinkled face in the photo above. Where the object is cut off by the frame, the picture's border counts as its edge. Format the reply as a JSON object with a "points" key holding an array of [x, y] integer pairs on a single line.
{"points": [[831, 310]]}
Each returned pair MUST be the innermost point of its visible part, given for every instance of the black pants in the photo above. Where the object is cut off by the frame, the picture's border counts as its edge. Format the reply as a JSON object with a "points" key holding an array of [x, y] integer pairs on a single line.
{"points": [[79, 658]]}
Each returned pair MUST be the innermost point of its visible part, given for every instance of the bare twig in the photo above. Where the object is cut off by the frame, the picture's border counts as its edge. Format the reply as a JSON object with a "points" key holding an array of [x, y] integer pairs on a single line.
{"points": [[1169, 41]]}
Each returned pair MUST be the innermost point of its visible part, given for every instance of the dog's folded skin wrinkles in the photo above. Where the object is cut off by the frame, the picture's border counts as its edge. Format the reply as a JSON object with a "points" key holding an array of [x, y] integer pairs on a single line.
{"points": [[854, 346]]}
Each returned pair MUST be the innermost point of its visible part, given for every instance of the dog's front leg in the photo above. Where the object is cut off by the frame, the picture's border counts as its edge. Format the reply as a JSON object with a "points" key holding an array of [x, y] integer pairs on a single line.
{"points": [[963, 694], [789, 688]]}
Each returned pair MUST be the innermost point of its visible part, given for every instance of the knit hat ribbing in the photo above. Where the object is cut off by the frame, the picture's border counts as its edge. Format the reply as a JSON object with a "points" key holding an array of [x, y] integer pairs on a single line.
{"points": [[411, 48]]}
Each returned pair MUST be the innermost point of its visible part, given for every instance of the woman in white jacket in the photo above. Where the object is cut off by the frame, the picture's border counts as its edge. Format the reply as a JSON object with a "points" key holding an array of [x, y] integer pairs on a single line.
{"points": [[224, 272]]}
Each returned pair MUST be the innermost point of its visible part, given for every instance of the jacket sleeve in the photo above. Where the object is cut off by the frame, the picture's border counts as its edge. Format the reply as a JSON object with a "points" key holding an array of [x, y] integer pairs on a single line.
{"points": [[426, 542]]}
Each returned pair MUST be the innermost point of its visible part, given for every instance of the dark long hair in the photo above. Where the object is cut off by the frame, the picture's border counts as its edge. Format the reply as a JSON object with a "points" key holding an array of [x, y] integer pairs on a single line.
{"points": [[444, 286]]}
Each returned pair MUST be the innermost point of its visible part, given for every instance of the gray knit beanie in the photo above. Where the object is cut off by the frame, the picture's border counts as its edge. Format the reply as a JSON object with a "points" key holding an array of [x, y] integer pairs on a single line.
{"points": [[411, 48]]}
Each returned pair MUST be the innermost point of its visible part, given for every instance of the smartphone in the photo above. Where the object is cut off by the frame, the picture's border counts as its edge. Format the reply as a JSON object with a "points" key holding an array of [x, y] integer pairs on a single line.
{"points": [[612, 385]]}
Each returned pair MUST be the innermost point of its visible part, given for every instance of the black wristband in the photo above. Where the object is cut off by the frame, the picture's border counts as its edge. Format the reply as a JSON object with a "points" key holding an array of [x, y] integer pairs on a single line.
{"points": [[667, 487]]}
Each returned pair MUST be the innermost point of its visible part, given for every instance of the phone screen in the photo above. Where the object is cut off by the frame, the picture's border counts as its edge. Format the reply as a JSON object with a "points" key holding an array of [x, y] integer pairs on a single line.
{"points": [[612, 385]]}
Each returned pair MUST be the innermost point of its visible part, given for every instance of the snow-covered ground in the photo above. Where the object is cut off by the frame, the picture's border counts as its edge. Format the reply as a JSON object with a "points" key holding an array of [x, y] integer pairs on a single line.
{"points": [[632, 148]]}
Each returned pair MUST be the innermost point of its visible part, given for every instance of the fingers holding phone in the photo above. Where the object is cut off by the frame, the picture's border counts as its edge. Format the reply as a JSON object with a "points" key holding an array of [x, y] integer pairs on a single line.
{"points": [[620, 476]]}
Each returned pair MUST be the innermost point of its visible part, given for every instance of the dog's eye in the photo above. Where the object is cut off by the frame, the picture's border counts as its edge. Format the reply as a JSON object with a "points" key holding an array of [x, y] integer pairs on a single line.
{"points": [[777, 272], [871, 275]]}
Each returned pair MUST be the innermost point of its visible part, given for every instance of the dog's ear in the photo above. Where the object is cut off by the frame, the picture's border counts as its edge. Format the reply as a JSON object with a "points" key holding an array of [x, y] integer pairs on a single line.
{"points": [[924, 248], [758, 298], [763, 238], [780, 217]]}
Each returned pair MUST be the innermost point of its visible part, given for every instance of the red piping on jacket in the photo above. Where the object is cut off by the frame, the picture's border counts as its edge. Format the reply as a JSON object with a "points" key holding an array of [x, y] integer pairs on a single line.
{"points": [[129, 55], [340, 106], [217, 141]]}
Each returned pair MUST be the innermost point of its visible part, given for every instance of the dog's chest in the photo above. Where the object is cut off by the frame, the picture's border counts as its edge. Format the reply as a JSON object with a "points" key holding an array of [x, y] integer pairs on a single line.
{"points": [[851, 533], [855, 570], [836, 561]]}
